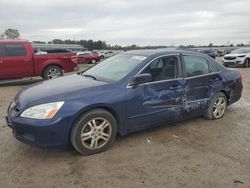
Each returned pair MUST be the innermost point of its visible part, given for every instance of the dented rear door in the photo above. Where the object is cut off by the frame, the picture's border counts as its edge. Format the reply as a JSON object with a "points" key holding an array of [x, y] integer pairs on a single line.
{"points": [[201, 82]]}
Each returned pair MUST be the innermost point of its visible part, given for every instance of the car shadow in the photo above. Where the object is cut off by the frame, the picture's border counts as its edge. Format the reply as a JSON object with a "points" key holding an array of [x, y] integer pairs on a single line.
{"points": [[20, 82]]}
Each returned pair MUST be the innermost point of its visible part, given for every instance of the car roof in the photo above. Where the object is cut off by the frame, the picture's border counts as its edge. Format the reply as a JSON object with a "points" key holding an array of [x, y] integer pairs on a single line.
{"points": [[160, 52], [13, 41]]}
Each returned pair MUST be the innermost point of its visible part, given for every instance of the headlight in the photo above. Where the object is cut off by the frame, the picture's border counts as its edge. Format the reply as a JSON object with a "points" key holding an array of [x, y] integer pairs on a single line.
{"points": [[242, 56], [43, 111]]}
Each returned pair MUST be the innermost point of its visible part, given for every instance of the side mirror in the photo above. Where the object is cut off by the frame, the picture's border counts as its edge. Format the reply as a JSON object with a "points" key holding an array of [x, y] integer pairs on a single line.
{"points": [[140, 79]]}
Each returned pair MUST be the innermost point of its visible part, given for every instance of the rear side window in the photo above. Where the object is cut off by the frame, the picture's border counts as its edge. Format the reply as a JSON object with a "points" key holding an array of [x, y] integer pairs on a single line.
{"points": [[196, 66], [1, 50], [15, 50]]}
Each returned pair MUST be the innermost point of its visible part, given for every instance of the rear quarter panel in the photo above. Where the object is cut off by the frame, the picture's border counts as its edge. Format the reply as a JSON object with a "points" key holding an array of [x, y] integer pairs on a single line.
{"points": [[234, 85], [62, 60]]}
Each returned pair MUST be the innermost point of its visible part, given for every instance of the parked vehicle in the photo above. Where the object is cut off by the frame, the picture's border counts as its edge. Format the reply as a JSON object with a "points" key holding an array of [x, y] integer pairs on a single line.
{"points": [[106, 54], [221, 53], [210, 52], [126, 93], [238, 57], [17, 60], [88, 57]]}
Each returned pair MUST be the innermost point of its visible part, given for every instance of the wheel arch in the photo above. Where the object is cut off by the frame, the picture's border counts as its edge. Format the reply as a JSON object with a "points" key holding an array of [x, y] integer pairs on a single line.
{"points": [[226, 93], [103, 107]]}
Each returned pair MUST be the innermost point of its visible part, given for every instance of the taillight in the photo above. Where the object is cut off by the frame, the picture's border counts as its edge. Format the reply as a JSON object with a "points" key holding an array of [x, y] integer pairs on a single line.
{"points": [[74, 58]]}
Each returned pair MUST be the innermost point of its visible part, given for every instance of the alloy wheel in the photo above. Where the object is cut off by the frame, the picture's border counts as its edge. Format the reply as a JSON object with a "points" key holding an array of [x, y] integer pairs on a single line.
{"points": [[93, 61], [53, 73], [96, 133], [219, 107]]}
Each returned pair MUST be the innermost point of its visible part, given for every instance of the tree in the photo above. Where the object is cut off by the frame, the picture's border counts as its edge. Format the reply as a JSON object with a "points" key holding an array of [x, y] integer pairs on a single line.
{"points": [[2, 35], [12, 33], [210, 45], [56, 41], [38, 42]]}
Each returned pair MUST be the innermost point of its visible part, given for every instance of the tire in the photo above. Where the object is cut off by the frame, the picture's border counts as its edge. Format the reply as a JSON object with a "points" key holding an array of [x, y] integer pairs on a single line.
{"points": [[89, 138], [52, 72], [214, 104], [93, 61], [102, 57], [246, 63]]}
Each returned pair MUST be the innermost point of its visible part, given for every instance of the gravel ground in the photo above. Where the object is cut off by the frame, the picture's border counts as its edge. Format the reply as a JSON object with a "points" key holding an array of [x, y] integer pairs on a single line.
{"points": [[194, 153]]}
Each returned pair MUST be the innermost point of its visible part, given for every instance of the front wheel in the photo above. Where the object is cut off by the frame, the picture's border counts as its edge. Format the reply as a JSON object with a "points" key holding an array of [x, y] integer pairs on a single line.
{"points": [[94, 132], [246, 63], [217, 107]]}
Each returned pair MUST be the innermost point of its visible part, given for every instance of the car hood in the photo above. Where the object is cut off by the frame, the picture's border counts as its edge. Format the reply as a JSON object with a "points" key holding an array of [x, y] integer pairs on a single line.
{"points": [[56, 89]]}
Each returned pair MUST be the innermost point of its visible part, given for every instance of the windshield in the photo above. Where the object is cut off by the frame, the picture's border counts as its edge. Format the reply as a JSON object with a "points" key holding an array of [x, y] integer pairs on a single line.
{"points": [[115, 68], [241, 51]]}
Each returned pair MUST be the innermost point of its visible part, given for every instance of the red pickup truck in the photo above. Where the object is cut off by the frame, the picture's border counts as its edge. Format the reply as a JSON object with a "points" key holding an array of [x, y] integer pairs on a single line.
{"points": [[18, 60]]}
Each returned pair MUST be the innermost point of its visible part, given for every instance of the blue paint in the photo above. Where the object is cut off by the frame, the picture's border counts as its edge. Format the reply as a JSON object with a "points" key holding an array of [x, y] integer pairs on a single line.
{"points": [[134, 108]]}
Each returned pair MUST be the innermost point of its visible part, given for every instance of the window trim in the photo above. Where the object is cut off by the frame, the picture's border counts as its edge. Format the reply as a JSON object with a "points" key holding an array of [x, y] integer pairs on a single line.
{"points": [[179, 66], [202, 75]]}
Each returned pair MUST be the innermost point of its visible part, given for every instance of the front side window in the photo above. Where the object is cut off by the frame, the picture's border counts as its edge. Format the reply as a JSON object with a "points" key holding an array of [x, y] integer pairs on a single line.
{"points": [[163, 68], [196, 66], [15, 50]]}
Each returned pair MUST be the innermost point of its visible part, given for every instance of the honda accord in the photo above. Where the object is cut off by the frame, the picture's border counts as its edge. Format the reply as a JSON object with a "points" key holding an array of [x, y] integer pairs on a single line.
{"points": [[126, 93]]}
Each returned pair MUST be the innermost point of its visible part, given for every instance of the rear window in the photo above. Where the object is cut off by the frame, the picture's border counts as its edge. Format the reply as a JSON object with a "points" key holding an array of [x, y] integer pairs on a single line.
{"points": [[15, 50]]}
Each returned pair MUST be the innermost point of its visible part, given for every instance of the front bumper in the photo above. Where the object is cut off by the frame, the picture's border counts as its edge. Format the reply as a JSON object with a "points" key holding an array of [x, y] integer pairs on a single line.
{"points": [[235, 62], [41, 133]]}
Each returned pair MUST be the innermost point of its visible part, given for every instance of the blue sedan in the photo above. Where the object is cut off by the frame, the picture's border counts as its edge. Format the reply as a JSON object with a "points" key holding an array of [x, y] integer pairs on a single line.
{"points": [[126, 93]]}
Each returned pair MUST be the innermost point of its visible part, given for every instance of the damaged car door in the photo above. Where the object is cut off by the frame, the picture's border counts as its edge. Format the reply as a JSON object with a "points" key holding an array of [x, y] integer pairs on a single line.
{"points": [[160, 99], [202, 81]]}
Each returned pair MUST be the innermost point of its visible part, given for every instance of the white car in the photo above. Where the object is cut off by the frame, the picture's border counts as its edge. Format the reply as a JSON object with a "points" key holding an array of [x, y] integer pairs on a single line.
{"points": [[106, 54], [240, 57]]}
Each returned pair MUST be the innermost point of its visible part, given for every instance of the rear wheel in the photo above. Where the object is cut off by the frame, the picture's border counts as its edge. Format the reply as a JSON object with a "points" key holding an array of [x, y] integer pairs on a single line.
{"points": [[102, 57], [217, 106], [52, 72], [246, 63], [94, 132]]}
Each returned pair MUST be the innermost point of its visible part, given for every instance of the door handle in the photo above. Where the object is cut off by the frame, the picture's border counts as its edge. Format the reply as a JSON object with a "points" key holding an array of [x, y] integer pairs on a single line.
{"points": [[213, 79], [1, 61], [175, 87]]}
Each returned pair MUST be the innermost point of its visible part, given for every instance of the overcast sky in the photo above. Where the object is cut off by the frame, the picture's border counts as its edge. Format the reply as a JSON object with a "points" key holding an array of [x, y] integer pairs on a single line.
{"points": [[124, 22]]}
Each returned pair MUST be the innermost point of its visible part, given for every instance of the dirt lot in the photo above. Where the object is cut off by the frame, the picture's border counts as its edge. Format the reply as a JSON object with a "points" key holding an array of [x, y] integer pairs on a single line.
{"points": [[194, 153]]}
